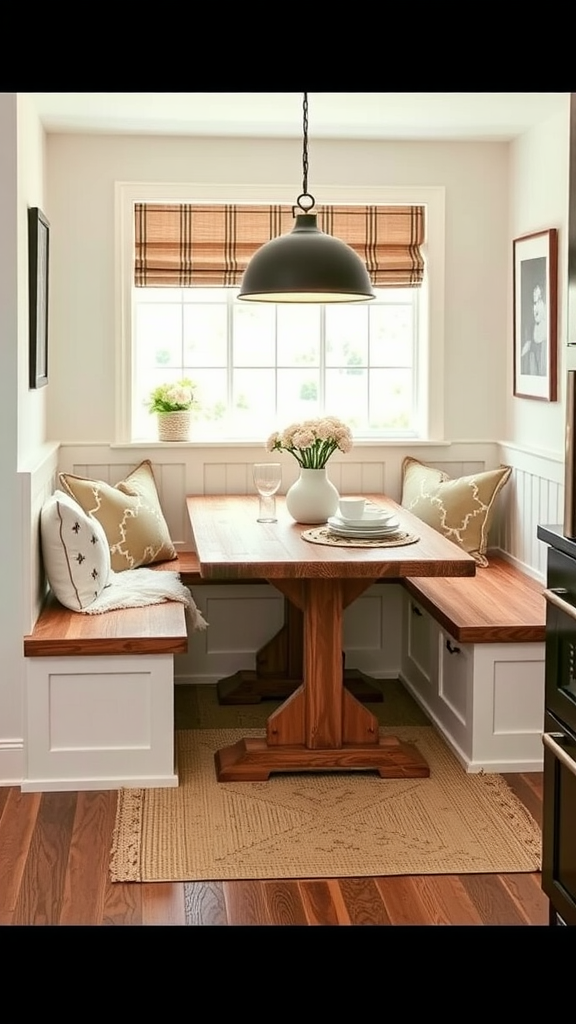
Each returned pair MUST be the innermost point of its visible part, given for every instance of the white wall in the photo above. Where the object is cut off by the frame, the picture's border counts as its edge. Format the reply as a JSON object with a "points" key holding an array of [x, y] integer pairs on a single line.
{"points": [[21, 411], [538, 188], [82, 171]]}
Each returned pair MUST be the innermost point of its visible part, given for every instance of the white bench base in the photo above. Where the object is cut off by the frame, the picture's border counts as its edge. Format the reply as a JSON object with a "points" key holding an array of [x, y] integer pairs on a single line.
{"points": [[102, 722], [486, 699]]}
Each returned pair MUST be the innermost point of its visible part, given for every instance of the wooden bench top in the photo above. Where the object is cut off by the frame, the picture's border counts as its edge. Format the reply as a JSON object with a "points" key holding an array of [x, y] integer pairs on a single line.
{"points": [[153, 629], [500, 604]]}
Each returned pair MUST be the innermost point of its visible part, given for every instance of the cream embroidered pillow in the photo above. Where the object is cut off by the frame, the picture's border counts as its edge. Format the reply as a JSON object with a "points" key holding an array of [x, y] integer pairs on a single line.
{"points": [[461, 509], [130, 513], [75, 552]]}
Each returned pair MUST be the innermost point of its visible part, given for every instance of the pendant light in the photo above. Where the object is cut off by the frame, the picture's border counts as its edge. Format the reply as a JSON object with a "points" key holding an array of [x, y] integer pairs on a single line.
{"points": [[306, 265]]}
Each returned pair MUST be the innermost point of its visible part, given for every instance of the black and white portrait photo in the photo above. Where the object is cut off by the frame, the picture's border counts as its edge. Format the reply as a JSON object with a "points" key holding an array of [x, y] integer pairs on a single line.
{"points": [[534, 327], [535, 315]]}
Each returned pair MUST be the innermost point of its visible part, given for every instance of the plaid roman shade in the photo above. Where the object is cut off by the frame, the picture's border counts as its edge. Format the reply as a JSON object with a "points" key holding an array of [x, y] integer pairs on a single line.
{"points": [[188, 244]]}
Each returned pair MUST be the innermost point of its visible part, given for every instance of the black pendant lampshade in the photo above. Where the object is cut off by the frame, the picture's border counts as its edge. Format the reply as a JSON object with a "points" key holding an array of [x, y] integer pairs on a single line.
{"points": [[306, 265]]}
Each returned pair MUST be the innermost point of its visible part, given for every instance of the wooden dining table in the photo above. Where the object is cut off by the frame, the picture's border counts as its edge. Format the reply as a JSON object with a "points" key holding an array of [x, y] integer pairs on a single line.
{"points": [[321, 726]]}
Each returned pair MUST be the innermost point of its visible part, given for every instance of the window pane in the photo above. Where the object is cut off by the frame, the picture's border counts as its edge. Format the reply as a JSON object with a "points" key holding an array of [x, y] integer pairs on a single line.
{"points": [[212, 395], [391, 335], [254, 334], [346, 336], [159, 331], [205, 334], [298, 330], [391, 400], [254, 401], [298, 395], [347, 395]]}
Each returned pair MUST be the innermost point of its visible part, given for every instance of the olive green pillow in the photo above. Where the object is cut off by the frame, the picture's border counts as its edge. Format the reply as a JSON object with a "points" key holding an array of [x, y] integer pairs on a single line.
{"points": [[130, 513], [459, 508]]}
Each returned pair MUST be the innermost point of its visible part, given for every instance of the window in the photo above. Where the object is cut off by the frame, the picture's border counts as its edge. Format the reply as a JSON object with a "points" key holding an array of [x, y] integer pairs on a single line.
{"points": [[259, 367], [379, 365]]}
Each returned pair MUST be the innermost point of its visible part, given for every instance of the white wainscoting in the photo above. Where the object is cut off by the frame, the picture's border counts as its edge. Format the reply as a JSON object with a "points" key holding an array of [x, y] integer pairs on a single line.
{"points": [[534, 495], [36, 481]]}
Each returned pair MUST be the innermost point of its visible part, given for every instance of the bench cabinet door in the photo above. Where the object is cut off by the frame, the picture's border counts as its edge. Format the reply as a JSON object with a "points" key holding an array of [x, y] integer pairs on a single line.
{"points": [[420, 657]]}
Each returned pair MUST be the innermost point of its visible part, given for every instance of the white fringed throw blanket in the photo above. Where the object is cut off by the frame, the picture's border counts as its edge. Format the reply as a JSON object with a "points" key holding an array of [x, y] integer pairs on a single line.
{"points": [[135, 588]]}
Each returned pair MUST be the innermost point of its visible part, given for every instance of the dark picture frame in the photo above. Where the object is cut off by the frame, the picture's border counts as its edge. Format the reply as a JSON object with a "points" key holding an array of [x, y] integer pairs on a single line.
{"points": [[535, 303], [38, 266]]}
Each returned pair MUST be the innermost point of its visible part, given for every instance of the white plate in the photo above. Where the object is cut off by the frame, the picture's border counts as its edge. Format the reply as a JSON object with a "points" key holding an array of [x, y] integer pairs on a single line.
{"points": [[383, 531], [370, 515], [366, 525]]}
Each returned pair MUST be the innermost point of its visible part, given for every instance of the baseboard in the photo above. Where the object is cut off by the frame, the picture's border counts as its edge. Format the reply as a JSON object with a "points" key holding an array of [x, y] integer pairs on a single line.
{"points": [[125, 782], [504, 767], [11, 762]]}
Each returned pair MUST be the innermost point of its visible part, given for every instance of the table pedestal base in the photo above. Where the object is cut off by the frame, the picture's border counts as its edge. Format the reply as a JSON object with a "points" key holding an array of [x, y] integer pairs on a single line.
{"points": [[253, 760], [278, 670], [249, 687], [321, 726]]}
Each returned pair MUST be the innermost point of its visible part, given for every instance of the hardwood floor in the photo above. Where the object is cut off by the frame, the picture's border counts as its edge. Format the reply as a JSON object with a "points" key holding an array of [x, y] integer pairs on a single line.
{"points": [[54, 850]]}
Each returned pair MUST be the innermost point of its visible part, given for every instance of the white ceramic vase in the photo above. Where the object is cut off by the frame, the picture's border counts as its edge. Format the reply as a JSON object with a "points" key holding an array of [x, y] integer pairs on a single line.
{"points": [[312, 498], [174, 426]]}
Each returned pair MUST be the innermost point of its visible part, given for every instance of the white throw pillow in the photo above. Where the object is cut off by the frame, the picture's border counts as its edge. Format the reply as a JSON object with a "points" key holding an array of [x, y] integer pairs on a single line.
{"points": [[75, 552]]}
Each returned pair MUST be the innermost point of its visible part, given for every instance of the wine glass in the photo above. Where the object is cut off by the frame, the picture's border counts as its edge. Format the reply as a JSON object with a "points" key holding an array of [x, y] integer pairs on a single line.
{"points": [[267, 479]]}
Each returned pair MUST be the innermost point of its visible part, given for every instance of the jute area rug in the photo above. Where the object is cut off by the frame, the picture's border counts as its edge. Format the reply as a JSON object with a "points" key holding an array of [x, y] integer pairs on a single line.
{"points": [[316, 825]]}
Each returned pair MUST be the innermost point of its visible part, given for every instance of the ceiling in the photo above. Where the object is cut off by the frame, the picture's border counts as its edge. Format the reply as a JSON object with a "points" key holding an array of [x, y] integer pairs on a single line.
{"points": [[496, 116]]}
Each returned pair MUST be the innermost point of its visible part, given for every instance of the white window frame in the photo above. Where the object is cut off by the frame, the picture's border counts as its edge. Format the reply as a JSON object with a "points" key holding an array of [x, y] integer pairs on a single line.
{"points": [[430, 397]]}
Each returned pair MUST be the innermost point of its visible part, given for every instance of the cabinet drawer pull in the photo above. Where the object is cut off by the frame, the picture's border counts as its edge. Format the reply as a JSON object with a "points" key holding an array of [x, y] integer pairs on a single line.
{"points": [[416, 611], [452, 648], [553, 597], [563, 757]]}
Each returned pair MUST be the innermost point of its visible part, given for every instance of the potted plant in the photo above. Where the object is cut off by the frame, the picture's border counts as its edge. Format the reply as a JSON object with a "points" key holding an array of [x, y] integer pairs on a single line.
{"points": [[173, 402]]}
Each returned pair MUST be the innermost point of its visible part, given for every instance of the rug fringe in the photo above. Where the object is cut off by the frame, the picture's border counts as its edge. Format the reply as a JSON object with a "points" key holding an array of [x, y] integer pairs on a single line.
{"points": [[126, 838]]}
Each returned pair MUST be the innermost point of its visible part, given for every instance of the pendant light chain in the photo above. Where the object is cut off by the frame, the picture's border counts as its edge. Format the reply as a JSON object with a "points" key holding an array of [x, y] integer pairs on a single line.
{"points": [[307, 206]]}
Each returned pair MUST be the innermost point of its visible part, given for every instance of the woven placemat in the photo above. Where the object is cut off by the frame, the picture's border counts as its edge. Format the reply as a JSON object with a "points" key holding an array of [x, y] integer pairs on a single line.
{"points": [[323, 535]]}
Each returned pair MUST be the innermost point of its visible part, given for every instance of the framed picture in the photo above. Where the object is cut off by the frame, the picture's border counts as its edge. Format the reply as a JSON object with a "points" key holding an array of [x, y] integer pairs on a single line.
{"points": [[38, 262], [535, 298]]}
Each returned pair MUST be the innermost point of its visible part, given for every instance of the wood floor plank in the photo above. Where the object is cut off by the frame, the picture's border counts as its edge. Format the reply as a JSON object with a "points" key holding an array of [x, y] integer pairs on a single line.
{"points": [[284, 902], [4, 792], [530, 901], [446, 900], [363, 901], [402, 901], [245, 903], [85, 887], [17, 825], [323, 902], [44, 877], [163, 903], [492, 900], [205, 903], [122, 903]]}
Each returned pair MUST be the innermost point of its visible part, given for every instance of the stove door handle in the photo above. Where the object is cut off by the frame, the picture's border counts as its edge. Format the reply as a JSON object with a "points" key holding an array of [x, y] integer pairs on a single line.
{"points": [[549, 740], [553, 597]]}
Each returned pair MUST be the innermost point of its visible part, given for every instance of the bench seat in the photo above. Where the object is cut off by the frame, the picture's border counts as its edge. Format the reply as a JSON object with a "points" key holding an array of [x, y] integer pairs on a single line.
{"points": [[473, 657], [500, 604], [153, 629]]}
